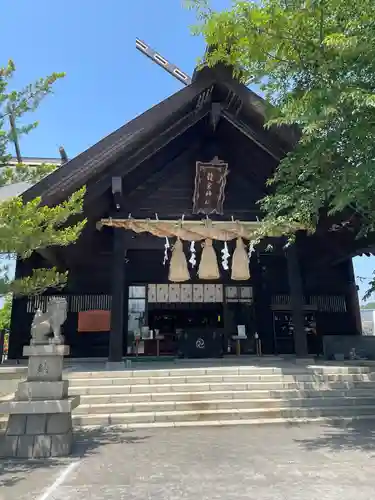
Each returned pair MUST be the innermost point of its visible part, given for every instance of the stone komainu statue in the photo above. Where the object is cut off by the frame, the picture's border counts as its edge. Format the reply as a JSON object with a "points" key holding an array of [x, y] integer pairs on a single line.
{"points": [[45, 323]]}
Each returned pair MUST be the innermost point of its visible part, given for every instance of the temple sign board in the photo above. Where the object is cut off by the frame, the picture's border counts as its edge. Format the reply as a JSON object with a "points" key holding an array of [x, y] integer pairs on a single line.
{"points": [[209, 192]]}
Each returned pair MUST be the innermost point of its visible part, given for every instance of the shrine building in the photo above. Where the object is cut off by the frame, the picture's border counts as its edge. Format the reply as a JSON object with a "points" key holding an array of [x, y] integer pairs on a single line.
{"points": [[165, 265]]}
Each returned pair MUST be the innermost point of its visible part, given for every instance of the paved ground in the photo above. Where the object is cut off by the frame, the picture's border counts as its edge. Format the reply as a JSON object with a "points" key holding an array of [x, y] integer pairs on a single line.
{"points": [[305, 462]]}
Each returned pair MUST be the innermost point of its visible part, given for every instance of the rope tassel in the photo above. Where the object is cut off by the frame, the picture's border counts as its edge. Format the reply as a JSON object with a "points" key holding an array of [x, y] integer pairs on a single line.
{"points": [[178, 270], [240, 262], [208, 266]]}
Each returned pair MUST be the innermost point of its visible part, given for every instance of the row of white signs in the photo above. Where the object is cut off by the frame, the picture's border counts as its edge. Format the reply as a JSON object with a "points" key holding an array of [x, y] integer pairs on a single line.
{"points": [[196, 293]]}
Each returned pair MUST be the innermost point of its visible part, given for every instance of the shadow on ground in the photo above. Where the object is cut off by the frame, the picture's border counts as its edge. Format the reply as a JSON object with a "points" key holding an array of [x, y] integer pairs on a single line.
{"points": [[340, 435], [87, 442]]}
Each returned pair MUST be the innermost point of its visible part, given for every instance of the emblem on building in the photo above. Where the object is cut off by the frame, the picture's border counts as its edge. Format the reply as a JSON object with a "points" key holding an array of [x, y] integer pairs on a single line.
{"points": [[199, 344], [209, 192]]}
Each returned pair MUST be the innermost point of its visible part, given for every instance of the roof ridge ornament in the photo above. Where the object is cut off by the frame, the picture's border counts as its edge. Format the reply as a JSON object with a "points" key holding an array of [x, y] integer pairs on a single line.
{"points": [[161, 61]]}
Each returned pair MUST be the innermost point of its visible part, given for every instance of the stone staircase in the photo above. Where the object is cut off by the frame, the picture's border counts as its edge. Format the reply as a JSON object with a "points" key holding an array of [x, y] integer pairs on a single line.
{"points": [[224, 395]]}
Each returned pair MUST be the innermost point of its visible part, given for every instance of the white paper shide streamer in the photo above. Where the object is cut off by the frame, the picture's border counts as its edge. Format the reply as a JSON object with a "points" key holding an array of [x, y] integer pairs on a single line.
{"points": [[193, 257], [251, 249], [167, 246], [225, 257]]}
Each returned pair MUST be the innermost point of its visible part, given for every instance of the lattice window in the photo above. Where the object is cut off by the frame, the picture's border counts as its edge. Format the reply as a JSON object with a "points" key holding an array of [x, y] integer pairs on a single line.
{"points": [[40, 302], [323, 303], [329, 303], [76, 303]]}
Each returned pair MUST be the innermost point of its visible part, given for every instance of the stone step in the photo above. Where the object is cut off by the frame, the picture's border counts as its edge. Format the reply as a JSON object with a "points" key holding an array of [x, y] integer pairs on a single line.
{"points": [[197, 379], [285, 394], [226, 404], [179, 372], [224, 422], [251, 414], [332, 369], [244, 386], [217, 370]]}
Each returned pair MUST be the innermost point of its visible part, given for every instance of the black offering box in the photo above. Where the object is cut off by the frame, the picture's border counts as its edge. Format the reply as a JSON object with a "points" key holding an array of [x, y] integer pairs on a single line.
{"points": [[200, 343]]}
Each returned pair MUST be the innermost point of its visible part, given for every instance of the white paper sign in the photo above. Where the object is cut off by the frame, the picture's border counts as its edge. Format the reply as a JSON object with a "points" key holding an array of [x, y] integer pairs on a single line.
{"points": [[241, 331]]}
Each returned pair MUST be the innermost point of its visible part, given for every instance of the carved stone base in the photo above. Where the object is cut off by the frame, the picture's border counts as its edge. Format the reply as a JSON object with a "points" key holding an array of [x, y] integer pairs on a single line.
{"points": [[37, 436], [40, 416], [45, 361]]}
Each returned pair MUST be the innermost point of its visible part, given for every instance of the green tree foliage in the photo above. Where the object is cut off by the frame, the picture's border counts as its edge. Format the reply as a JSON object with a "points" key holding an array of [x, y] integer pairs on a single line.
{"points": [[315, 62], [5, 313], [25, 228]]}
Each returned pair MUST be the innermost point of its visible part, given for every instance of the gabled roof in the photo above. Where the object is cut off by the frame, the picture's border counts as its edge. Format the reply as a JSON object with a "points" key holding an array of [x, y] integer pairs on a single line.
{"points": [[79, 169], [174, 114]]}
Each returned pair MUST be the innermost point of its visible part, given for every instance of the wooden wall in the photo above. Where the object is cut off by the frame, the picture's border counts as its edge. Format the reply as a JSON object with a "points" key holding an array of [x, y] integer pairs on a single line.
{"points": [[268, 278], [164, 185]]}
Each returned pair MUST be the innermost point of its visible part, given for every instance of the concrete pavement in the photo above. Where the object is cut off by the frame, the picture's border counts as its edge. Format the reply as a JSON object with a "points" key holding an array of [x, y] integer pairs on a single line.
{"points": [[306, 462]]}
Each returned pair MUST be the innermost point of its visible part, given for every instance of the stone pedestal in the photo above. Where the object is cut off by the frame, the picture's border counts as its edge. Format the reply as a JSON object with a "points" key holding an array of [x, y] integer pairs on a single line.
{"points": [[40, 416]]}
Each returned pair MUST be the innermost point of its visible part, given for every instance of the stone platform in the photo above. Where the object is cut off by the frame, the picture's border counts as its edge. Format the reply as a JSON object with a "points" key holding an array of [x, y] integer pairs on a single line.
{"points": [[40, 416]]}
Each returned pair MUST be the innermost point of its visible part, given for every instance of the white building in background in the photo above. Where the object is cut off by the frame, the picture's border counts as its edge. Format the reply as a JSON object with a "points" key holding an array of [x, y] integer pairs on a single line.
{"points": [[368, 321], [16, 189]]}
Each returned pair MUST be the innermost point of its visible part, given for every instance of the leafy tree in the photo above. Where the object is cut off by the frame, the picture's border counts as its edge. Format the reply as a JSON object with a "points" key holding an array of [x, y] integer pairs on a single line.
{"points": [[25, 228], [315, 62], [5, 313]]}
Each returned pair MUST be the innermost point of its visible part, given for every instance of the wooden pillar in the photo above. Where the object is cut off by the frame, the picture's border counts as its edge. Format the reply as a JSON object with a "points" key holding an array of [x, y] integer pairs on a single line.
{"points": [[262, 304], [354, 307], [125, 309], [20, 323], [296, 300], [116, 337]]}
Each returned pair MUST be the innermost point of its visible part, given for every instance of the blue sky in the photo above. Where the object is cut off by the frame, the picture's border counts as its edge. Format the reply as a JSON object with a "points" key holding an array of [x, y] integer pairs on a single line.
{"points": [[108, 82]]}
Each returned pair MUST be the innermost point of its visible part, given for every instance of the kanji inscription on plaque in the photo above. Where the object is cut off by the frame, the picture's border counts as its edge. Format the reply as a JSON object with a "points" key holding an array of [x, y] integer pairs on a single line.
{"points": [[210, 181]]}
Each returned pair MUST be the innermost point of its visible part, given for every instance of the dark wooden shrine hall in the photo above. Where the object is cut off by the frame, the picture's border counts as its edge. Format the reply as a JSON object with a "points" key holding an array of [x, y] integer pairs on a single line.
{"points": [[120, 300]]}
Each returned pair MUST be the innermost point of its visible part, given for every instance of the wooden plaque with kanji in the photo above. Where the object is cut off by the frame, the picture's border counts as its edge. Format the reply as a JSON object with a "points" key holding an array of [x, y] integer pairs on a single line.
{"points": [[209, 193]]}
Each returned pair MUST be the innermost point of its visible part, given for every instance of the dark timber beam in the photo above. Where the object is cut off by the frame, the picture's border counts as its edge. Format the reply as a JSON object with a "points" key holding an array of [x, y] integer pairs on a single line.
{"points": [[286, 137], [118, 323], [117, 192], [259, 138], [296, 300]]}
